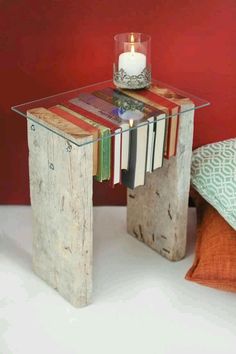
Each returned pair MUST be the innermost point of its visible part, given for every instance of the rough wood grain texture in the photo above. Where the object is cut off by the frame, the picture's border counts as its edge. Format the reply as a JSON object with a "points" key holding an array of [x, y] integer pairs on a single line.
{"points": [[61, 198], [157, 212], [58, 125]]}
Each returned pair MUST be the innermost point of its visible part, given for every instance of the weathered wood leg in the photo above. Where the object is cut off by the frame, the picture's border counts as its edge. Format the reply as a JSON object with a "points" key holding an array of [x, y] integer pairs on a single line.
{"points": [[61, 198], [157, 212]]}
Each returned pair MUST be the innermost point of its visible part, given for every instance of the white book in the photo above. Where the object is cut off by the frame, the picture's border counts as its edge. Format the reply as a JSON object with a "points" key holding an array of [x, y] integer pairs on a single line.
{"points": [[150, 145], [141, 155], [158, 151]]}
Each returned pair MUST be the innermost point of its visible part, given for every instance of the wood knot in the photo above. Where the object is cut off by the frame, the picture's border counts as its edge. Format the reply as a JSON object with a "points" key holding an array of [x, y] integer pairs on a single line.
{"points": [[51, 166], [68, 146], [169, 212], [141, 232]]}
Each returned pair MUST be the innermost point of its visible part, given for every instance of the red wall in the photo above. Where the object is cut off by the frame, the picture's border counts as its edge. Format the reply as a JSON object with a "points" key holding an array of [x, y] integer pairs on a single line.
{"points": [[52, 46]]}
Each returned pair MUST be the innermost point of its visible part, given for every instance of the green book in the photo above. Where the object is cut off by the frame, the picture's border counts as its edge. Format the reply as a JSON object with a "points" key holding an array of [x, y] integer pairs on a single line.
{"points": [[104, 146], [104, 150]]}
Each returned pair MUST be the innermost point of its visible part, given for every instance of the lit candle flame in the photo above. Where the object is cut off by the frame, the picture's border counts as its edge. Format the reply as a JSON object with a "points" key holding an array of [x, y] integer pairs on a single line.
{"points": [[131, 123], [132, 45]]}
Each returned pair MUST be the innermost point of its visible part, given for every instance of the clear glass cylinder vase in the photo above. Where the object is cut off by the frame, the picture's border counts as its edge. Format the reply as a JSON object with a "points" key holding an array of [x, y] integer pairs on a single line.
{"points": [[132, 62]]}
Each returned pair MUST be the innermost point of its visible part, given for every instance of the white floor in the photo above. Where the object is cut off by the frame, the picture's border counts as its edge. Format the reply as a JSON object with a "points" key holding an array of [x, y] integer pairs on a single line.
{"points": [[141, 305]]}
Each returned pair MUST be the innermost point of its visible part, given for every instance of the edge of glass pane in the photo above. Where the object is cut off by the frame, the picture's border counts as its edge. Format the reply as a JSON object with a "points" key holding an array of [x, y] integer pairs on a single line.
{"points": [[200, 103]]}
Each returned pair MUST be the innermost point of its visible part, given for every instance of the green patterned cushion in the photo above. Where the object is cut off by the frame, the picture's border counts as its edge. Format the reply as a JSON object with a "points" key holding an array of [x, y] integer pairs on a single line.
{"points": [[213, 175]]}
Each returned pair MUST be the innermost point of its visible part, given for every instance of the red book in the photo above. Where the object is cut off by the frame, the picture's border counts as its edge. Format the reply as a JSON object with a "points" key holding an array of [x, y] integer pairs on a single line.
{"points": [[91, 113]]}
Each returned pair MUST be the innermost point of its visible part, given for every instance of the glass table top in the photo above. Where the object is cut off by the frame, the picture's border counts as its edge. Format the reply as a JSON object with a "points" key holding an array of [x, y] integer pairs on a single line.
{"points": [[102, 105]]}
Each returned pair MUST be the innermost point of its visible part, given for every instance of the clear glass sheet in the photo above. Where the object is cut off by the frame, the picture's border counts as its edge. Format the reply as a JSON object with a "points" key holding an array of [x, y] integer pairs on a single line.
{"points": [[54, 100]]}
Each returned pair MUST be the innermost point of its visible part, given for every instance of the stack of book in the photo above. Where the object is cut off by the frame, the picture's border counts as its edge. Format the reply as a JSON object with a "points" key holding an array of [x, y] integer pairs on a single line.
{"points": [[131, 129]]}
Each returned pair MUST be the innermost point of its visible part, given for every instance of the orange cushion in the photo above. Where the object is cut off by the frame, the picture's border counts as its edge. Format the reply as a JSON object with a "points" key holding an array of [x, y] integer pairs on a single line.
{"points": [[215, 259]]}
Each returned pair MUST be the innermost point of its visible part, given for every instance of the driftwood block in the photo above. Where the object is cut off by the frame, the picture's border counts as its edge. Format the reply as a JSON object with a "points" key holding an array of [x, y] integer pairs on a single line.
{"points": [[61, 198], [157, 211]]}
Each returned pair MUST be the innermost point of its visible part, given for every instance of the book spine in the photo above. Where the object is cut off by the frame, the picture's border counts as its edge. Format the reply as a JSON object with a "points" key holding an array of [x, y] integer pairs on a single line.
{"points": [[104, 157], [159, 143], [90, 112], [99, 176], [154, 145], [164, 141], [168, 137], [104, 96], [102, 106], [107, 156], [128, 176]]}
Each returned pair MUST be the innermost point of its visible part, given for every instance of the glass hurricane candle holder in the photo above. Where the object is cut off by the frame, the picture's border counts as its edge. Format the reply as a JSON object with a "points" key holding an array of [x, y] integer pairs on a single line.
{"points": [[132, 65]]}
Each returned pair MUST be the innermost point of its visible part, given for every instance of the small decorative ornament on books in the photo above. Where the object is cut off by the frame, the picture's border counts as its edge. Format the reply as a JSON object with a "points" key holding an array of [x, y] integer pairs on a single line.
{"points": [[132, 65], [129, 109]]}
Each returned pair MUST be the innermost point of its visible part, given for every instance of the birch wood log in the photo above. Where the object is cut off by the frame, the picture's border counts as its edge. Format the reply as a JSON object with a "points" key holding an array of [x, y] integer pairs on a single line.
{"points": [[157, 211], [61, 198]]}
